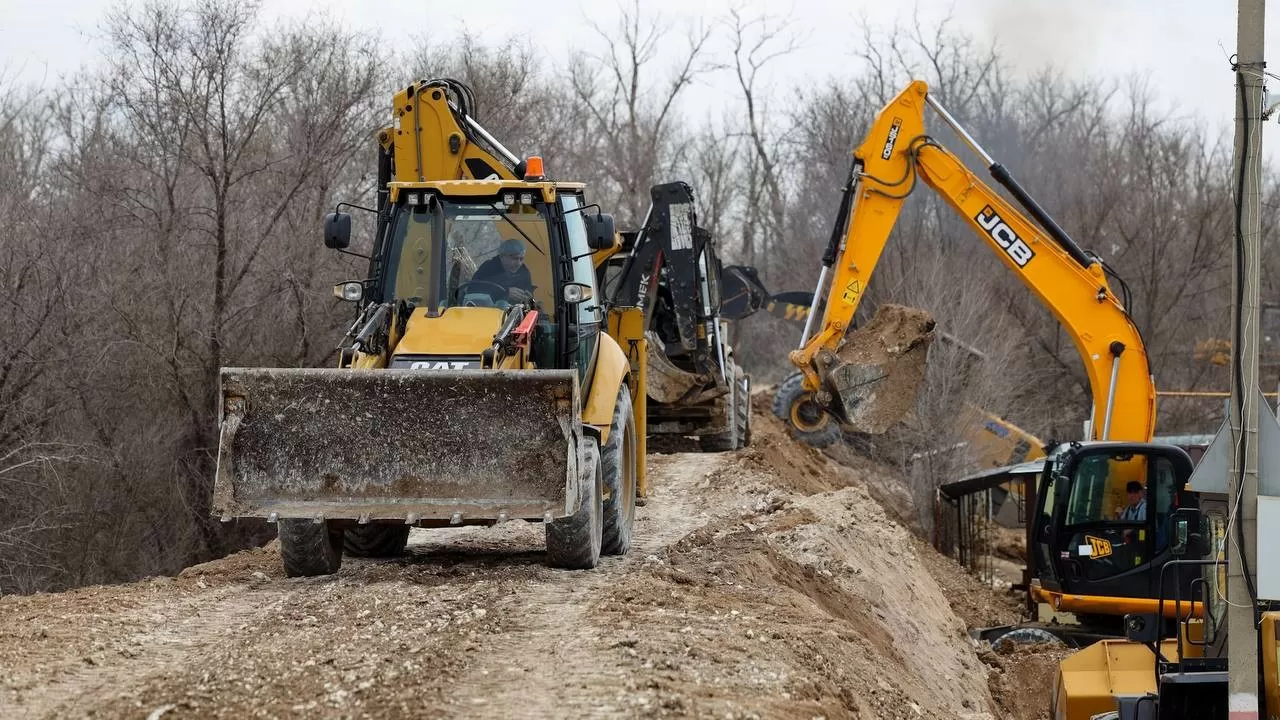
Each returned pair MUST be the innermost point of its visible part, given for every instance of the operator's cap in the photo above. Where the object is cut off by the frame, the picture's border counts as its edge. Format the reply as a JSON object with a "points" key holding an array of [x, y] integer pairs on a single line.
{"points": [[511, 247]]}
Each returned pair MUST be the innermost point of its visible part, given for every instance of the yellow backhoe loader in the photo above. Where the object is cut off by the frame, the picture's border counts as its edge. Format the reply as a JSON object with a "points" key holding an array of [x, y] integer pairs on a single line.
{"points": [[478, 383]]}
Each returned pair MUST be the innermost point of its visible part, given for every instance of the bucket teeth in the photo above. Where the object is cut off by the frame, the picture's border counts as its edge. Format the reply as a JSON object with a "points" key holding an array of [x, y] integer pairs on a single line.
{"points": [[456, 519], [502, 517], [273, 517], [411, 519]]}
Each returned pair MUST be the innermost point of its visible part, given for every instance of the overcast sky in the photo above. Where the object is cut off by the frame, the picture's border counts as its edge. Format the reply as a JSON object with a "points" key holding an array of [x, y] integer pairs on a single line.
{"points": [[1182, 46]]}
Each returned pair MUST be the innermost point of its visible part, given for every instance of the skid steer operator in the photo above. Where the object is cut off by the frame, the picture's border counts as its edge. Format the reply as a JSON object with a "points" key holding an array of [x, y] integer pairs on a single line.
{"points": [[508, 270]]}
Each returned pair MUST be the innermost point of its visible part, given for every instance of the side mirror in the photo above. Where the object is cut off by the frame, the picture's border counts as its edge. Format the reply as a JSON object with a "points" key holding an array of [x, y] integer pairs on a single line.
{"points": [[575, 293], [350, 291], [337, 230], [600, 231]]}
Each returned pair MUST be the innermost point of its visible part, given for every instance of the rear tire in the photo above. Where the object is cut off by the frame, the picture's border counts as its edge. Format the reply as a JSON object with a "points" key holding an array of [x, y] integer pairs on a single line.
{"points": [[618, 466], [309, 548], [573, 542], [744, 408], [727, 440], [375, 540], [789, 404]]}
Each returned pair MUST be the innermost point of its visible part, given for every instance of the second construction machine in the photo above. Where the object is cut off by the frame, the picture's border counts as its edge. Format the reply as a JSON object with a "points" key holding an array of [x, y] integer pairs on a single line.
{"points": [[670, 271], [479, 382], [1085, 558]]}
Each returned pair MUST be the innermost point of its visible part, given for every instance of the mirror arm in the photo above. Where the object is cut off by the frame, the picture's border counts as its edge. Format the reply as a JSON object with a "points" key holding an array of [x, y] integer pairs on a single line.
{"points": [[348, 252], [339, 206]]}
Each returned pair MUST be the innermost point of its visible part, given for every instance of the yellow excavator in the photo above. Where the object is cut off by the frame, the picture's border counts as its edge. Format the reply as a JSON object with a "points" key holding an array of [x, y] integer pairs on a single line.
{"points": [[1088, 556], [1117, 523], [478, 383]]}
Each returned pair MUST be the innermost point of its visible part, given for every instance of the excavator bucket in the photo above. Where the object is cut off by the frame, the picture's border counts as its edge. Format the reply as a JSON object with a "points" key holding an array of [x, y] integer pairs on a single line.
{"points": [[410, 445], [742, 293], [880, 368]]}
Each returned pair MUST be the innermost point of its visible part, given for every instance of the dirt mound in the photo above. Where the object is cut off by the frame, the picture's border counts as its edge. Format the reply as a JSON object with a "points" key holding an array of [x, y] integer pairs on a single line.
{"points": [[972, 601], [766, 582], [820, 604], [1023, 678], [881, 367], [809, 470]]}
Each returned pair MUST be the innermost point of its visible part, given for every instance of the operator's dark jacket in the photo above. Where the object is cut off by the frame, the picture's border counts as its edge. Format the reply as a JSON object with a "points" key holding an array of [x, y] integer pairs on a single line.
{"points": [[491, 271]]}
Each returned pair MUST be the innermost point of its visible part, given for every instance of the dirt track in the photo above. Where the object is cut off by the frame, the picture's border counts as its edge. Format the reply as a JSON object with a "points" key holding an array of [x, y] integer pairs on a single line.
{"points": [[763, 583]]}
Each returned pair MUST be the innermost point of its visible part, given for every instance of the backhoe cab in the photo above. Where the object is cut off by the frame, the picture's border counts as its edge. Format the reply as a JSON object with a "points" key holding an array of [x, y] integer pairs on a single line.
{"points": [[477, 383]]}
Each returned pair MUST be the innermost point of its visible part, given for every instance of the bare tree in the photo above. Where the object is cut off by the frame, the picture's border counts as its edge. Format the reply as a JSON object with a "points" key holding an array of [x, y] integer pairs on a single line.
{"points": [[756, 42], [633, 116]]}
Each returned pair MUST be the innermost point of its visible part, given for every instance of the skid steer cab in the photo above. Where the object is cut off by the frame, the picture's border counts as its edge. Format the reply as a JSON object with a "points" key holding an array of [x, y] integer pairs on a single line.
{"points": [[475, 386]]}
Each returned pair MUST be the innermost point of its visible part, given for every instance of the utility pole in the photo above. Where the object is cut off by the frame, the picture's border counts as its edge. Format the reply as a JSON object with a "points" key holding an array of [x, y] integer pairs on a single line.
{"points": [[1242, 553]]}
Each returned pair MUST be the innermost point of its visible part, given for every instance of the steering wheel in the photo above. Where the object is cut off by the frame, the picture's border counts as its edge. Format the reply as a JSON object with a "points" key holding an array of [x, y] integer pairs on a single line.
{"points": [[502, 291]]}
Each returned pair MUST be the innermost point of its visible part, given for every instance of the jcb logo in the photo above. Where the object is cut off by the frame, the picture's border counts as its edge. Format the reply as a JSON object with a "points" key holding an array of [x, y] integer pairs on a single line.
{"points": [[1098, 547], [439, 365], [1004, 236], [892, 140]]}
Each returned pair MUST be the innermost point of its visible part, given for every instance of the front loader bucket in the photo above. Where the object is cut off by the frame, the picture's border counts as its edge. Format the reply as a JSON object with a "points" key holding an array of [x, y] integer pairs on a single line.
{"points": [[410, 445], [880, 368]]}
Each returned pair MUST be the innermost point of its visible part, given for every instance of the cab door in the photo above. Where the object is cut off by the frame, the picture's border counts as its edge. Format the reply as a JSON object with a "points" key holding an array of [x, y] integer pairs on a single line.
{"points": [[582, 320], [1044, 529]]}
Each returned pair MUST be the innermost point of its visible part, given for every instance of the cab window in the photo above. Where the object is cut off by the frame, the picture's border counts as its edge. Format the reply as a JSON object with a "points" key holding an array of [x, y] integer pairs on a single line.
{"points": [[583, 269]]}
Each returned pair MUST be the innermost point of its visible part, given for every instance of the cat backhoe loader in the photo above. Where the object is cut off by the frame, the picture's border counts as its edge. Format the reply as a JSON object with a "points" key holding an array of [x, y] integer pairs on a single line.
{"points": [[477, 384], [1085, 559]]}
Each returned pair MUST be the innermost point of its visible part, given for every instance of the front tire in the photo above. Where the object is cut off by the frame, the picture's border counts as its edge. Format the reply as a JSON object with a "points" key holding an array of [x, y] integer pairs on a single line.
{"points": [[309, 548], [727, 440], [375, 540], [744, 408], [573, 542], [618, 467]]}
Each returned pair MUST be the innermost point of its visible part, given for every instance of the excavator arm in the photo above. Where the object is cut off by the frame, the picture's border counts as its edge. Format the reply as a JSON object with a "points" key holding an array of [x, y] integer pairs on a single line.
{"points": [[896, 153]]}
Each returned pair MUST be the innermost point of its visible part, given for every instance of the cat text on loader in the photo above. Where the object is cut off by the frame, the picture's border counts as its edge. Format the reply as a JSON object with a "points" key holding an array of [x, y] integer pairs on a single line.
{"points": [[1087, 555], [476, 385], [670, 272]]}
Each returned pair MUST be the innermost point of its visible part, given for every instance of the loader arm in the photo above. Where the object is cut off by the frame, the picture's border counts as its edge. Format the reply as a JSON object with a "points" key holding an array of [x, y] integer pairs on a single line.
{"points": [[1071, 283]]}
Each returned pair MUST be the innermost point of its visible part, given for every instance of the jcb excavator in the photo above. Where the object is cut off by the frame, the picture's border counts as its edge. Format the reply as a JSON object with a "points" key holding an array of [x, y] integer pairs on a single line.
{"points": [[478, 383], [1088, 557], [669, 269]]}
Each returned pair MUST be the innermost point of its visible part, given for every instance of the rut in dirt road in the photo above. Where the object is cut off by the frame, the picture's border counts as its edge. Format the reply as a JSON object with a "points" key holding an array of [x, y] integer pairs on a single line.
{"points": [[762, 583]]}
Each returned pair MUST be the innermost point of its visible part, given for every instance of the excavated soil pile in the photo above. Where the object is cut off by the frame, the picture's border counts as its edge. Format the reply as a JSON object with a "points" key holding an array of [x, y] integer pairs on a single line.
{"points": [[816, 595], [763, 583], [882, 367]]}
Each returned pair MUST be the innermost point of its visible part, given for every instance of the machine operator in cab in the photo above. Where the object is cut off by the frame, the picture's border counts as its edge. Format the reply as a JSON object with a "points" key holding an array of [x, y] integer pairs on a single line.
{"points": [[507, 269]]}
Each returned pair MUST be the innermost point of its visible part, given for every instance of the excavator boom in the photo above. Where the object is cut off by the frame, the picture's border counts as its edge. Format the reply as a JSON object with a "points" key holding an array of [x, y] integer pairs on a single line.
{"points": [[896, 153]]}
